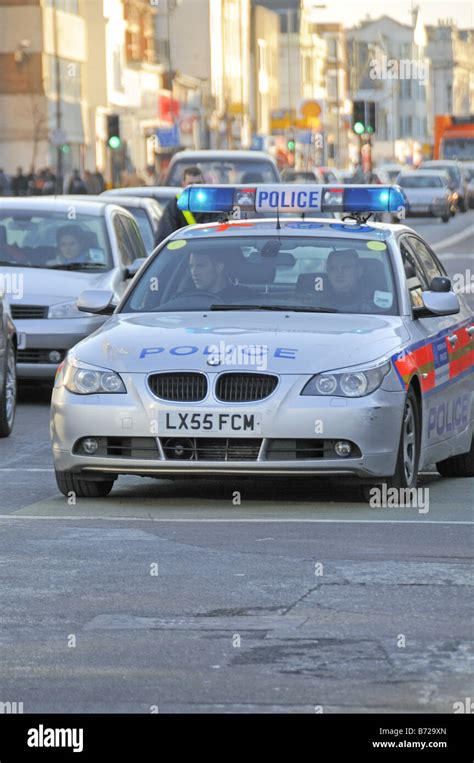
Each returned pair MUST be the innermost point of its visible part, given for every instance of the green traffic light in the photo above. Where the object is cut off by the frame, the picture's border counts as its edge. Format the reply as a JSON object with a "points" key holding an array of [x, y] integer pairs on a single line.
{"points": [[358, 128], [66, 149], [114, 141], [291, 145], [370, 129]]}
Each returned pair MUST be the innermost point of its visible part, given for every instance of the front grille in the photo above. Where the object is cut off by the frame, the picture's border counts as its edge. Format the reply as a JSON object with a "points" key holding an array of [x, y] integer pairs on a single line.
{"points": [[244, 388], [301, 450], [22, 312], [185, 387], [211, 449], [38, 356], [122, 447]]}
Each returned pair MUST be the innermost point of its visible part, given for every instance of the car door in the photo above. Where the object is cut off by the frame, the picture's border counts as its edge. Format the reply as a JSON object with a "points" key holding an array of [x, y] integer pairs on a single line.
{"points": [[449, 344]]}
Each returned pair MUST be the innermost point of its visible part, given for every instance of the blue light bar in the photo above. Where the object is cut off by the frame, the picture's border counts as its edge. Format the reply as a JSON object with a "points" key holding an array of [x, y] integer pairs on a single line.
{"points": [[297, 198], [205, 198]]}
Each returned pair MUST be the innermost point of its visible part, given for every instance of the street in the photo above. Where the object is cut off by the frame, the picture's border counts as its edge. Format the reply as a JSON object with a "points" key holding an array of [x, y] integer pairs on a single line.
{"points": [[236, 595]]}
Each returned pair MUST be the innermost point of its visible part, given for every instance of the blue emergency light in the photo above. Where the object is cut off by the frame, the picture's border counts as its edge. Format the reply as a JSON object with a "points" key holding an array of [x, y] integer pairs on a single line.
{"points": [[307, 199]]}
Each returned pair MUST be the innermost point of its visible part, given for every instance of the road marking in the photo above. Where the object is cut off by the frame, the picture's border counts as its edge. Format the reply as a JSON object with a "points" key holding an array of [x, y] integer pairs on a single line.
{"points": [[456, 238], [21, 469], [242, 520]]}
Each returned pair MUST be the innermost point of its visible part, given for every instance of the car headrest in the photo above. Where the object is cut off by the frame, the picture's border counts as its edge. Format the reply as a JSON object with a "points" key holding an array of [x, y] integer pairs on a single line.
{"points": [[90, 240]]}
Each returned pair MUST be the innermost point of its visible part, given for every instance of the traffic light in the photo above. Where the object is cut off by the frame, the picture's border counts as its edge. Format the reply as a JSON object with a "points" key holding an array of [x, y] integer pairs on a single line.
{"points": [[291, 145], [113, 131], [363, 117], [358, 117], [370, 126]]}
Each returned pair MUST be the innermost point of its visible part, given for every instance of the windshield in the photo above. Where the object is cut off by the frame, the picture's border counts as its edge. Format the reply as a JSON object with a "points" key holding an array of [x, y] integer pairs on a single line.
{"points": [[223, 171], [420, 181], [278, 273], [144, 226], [452, 171], [30, 239], [458, 148]]}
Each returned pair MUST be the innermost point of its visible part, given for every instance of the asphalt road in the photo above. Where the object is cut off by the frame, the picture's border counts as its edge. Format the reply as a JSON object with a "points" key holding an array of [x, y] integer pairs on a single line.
{"points": [[173, 596]]}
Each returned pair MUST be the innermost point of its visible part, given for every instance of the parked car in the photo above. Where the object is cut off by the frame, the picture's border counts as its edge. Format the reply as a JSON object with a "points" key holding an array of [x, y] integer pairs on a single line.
{"points": [[59, 247], [457, 176], [428, 193], [224, 167], [146, 211], [8, 380]]}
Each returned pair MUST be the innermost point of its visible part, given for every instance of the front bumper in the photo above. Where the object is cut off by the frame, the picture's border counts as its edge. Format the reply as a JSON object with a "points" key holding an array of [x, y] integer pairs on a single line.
{"points": [[45, 335], [436, 209], [372, 423]]}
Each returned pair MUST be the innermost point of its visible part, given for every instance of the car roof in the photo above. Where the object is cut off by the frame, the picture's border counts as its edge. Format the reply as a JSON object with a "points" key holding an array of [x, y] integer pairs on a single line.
{"points": [[228, 155], [424, 171], [121, 200], [145, 191], [288, 227], [54, 204]]}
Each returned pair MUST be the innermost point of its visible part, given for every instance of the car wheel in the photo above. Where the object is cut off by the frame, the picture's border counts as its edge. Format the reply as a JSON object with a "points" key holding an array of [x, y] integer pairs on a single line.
{"points": [[406, 470], [462, 205], [8, 394], [445, 218], [458, 466], [71, 483]]}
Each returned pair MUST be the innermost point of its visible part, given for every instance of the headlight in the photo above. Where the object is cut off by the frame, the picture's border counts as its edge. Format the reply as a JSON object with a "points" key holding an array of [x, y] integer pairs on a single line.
{"points": [[66, 310], [347, 383], [87, 380]]}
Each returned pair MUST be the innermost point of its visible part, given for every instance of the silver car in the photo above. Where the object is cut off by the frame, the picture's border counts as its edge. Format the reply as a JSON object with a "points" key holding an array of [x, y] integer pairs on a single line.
{"points": [[427, 192], [255, 347], [8, 345], [54, 248], [224, 166], [146, 211]]}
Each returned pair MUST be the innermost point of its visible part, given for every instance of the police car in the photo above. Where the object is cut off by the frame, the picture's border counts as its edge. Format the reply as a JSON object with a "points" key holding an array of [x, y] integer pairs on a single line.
{"points": [[278, 346]]}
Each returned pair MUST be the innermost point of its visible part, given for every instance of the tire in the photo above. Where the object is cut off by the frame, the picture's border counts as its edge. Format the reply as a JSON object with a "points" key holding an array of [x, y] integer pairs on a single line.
{"points": [[462, 205], [406, 470], [8, 393], [458, 466], [445, 218], [71, 483]]}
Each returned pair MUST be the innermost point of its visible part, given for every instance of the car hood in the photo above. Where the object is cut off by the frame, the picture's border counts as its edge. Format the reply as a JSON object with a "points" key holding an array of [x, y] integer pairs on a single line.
{"points": [[45, 286], [289, 342]]}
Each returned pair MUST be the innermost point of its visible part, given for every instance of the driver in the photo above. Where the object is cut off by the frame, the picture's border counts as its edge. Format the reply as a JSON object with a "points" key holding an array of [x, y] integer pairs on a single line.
{"points": [[345, 283], [208, 273]]}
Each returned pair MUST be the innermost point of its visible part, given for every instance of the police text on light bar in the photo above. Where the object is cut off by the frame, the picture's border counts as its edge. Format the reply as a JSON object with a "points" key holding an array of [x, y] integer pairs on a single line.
{"points": [[356, 199]]}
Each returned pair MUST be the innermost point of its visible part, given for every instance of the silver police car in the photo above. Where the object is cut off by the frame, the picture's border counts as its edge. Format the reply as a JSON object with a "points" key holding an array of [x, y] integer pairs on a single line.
{"points": [[53, 249], [262, 347]]}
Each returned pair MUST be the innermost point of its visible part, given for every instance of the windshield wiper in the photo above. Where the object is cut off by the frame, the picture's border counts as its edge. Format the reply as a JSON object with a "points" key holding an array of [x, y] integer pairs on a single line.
{"points": [[75, 266], [283, 308]]}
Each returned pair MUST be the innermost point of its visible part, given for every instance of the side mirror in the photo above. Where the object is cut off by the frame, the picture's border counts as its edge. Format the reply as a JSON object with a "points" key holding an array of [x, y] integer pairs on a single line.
{"points": [[134, 267], [440, 303], [97, 301]]}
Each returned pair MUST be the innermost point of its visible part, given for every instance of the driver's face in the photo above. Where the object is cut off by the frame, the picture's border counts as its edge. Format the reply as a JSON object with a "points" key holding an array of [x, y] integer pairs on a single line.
{"points": [[343, 273], [192, 180], [204, 272], [69, 247]]}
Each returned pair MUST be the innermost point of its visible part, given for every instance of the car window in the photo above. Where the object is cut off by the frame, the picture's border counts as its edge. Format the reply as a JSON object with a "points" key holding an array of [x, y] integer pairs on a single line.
{"points": [[415, 277], [425, 257], [53, 240], [420, 181], [145, 227], [124, 243], [341, 274], [223, 171]]}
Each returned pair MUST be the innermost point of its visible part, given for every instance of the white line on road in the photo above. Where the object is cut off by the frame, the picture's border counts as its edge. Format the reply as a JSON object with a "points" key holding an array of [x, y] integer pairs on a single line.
{"points": [[455, 239], [244, 520], [21, 469]]}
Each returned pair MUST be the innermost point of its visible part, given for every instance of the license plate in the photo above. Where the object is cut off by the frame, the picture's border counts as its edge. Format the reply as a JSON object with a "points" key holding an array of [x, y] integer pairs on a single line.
{"points": [[21, 341], [419, 207], [202, 422]]}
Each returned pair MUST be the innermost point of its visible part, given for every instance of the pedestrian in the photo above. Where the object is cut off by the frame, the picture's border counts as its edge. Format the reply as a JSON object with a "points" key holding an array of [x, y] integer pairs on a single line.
{"points": [[4, 184], [99, 181], [76, 184], [149, 176], [31, 180], [49, 184], [90, 182], [19, 183], [174, 218]]}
